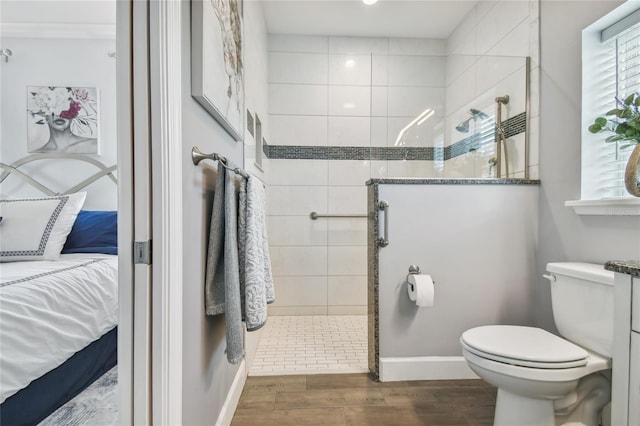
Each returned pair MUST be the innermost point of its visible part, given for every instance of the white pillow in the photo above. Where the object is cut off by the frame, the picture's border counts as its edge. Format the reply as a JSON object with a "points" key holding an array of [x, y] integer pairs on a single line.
{"points": [[37, 228]]}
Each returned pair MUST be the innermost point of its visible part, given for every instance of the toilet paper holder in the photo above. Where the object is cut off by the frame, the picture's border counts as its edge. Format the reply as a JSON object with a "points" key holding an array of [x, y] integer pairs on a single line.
{"points": [[414, 270]]}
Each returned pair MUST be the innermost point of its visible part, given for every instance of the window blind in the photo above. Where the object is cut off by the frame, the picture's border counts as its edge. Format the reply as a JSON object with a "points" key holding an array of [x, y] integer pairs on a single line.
{"points": [[619, 74]]}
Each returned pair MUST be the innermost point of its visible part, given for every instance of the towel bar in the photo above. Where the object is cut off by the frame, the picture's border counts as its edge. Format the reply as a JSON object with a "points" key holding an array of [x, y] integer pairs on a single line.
{"points": [[314, 215]]}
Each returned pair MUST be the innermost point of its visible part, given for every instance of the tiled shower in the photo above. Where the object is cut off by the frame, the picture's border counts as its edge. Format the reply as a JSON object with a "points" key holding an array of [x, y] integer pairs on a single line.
{"points": [[343, 110]]}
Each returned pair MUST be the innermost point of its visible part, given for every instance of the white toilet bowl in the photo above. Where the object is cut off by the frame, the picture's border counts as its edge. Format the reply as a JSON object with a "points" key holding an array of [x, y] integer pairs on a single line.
{"points": [[530, 391], [543, 379]]}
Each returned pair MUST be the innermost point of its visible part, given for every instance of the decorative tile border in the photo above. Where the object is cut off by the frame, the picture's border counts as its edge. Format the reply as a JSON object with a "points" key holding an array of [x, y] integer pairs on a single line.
{"points": [[624, 267], [512, 126]]}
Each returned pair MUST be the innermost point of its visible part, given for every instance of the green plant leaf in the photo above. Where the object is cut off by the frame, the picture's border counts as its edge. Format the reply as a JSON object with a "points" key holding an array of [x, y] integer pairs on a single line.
{"points": [[594, 128], [629, 99], [600, 121], [614, 138], [612, 112]]}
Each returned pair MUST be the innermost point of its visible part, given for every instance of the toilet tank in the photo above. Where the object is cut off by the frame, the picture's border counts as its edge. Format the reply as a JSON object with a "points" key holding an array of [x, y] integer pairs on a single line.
{"points": [[582, 300]]}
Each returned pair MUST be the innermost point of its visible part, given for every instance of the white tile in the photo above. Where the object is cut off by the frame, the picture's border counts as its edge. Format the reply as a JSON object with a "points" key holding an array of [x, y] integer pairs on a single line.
{"points": [[349, 101], [378, 131], [349, 310], [297, 99], [407, 132], [379, 101], [534, 172], [300, 291], [296, 231], [516, 43], [513, 84], [298, 260], [463, 38], [379, 70], [417, 46], [379, 169], [515, 154], [362, 45], [534, 140], [296, 200], [347, 199], [296, 310], [298, 43], [298, 68], [493, 27], [298, 172], [354, 70], [347, 231], [535, 92], [347, 260], [427, 71], [349, 172], [462, 166], [415, 169], [462, 90], [534, 10], [457, 65], [483, 160], [412, 101], [303, 130], [349, 131], [534, 43]]}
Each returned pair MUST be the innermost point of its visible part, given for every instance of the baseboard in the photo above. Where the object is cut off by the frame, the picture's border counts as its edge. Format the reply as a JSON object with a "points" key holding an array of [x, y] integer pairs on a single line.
{"points": [[233, 397], [425, 368]]}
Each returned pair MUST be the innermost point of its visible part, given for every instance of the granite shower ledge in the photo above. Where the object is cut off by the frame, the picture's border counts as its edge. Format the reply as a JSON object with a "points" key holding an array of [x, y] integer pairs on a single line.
{"points": [[451, 181], [624, 267]]}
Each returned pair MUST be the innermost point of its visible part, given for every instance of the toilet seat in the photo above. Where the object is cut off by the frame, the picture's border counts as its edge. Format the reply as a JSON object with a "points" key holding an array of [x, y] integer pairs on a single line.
{"points": [[523, 346]]}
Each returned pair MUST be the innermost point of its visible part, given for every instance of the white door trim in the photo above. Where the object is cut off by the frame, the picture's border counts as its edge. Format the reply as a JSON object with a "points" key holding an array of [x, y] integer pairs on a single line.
{"points": [[166, 171]]}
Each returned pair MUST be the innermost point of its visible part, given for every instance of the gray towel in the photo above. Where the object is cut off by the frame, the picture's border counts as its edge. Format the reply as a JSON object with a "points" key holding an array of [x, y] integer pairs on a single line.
{"points": [[255, 264], [222, 280]]}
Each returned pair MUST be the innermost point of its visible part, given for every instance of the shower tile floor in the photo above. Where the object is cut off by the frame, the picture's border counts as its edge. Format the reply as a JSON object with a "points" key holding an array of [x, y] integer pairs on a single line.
{"points": [[317, 344]]}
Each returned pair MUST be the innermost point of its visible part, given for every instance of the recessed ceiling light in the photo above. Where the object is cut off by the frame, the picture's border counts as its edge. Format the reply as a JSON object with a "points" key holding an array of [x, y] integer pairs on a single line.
{"points": [[349, 105], [369, 2], [349, 63]]}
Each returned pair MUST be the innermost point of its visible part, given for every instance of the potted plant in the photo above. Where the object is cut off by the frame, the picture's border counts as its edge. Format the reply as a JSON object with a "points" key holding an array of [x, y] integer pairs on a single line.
{"points": [[624, 122]]}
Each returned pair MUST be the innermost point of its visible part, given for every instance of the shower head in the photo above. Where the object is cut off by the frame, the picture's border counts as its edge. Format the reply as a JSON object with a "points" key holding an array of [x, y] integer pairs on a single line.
{"points": [[463, 127], [476, 113]]}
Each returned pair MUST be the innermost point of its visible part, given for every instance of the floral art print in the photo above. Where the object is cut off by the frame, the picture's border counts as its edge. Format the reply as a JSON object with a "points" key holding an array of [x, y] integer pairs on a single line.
{"points": [[62, 119]]}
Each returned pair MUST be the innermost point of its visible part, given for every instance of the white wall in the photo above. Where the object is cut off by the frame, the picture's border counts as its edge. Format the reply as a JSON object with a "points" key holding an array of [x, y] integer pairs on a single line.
{"points": [[482, 262], [207, 376], [58, 62], [564, 235], [486, 59]]}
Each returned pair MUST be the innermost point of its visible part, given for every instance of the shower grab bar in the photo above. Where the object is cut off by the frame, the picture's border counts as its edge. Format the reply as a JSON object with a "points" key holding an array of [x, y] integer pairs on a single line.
{"points": [[384, 206], [315, 215]]}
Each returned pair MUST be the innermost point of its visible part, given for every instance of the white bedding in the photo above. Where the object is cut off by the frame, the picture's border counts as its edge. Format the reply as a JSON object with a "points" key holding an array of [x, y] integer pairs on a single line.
{"points": [[50, 310]]}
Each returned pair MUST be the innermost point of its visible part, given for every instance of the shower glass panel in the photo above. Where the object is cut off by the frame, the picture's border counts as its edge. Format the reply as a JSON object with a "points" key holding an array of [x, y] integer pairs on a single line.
{"points": [[434, 116]]}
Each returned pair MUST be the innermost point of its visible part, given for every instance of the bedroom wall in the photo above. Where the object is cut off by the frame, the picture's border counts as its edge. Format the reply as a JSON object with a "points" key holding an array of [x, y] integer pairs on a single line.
{"points": [[55, 61], [565, 236], [207, 376]]}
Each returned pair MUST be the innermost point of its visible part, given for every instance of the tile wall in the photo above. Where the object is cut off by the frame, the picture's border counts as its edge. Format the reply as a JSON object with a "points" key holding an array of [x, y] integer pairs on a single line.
{"points": [[341, 95], [485, 60]]}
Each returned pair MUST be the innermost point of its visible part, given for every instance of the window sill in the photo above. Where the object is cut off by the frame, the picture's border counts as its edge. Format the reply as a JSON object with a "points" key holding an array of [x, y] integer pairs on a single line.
{"points": [[607, 207]]}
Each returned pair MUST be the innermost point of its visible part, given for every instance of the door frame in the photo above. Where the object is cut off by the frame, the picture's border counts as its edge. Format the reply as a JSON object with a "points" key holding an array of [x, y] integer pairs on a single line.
{"points": [[150, 209]]}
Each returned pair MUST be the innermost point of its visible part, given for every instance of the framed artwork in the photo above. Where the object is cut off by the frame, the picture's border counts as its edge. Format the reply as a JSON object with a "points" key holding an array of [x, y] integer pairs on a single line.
{"points": [[62, 119], [217, 70]]}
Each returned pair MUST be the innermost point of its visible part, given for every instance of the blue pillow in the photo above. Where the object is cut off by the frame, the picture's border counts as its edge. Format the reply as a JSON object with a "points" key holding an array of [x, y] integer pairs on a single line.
{"points": [[93, 232]]}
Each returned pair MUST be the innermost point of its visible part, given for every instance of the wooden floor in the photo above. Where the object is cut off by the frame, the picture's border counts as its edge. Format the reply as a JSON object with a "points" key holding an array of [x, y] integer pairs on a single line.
{"points": [[355, 400]]}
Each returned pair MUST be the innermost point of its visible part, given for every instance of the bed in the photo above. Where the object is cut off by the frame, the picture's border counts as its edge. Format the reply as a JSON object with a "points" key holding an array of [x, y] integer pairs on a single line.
{"points": [[58, 302]]}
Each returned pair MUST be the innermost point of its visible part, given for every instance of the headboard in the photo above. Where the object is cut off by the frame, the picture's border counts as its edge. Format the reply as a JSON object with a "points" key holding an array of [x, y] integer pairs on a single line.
{"points": [[14, 169]]}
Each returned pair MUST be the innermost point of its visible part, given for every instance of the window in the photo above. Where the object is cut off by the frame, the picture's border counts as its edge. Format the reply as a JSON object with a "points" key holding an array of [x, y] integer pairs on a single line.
{"points": [[611, 68]]}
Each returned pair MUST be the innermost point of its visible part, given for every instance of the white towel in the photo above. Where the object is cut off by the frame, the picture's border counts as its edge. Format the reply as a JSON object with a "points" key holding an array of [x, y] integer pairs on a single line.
{"points": [[256, 281]]}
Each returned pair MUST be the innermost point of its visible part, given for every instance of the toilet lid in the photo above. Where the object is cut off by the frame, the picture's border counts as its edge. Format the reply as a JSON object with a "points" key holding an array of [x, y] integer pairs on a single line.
{"points": [[524, 346]]}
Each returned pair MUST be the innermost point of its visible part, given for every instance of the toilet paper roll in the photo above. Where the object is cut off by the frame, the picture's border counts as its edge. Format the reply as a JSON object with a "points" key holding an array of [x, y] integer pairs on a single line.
{"points": [[422, 290]]}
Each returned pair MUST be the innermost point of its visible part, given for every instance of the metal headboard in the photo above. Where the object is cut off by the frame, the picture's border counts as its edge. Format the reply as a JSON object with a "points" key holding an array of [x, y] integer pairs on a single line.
{"points": [[12, 169]]}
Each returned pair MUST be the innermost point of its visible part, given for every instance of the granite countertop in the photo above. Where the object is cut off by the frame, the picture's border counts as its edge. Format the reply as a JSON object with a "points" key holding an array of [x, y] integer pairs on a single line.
{"points": [[624, 267], [452, 181]]}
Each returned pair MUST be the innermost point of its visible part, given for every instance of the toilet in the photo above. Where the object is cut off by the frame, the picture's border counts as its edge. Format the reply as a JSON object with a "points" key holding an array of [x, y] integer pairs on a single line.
{"points": [[543, 379]]}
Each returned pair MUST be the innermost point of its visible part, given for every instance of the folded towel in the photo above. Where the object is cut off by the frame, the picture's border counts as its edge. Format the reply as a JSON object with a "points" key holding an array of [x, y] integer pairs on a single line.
{"points": [[255, 263], [222, 280]]}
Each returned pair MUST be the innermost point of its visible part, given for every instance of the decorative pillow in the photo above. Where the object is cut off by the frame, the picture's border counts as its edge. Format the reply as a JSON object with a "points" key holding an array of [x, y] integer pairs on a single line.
{"points": [[93, 232], [36, 228]]}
